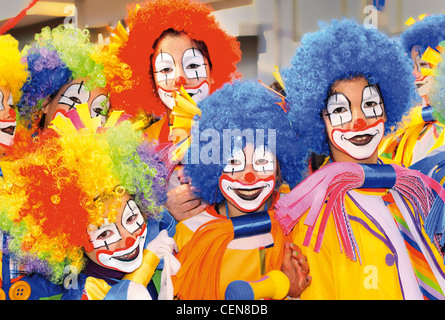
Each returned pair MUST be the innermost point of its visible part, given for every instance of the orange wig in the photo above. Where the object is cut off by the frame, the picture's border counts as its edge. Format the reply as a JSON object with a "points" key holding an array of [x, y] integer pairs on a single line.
{"points": [[147, 21]]}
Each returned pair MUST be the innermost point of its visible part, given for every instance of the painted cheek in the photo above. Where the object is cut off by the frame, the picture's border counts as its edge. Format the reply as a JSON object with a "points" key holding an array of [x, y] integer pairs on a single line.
{"points": [[89, 247], [12, 113]]}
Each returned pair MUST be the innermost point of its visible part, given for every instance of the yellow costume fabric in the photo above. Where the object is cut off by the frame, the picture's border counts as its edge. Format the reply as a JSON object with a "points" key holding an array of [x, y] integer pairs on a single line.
{"points": [[247, 258], [414, 140], [383, 269]]}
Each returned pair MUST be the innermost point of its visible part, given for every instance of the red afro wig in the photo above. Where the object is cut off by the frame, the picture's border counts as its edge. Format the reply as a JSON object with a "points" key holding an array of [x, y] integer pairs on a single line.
{"points": [[147, 21]]}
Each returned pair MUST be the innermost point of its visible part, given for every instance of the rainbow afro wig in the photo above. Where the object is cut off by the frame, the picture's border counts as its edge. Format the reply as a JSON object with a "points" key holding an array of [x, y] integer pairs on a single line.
{"points": [[147, 21], [13, 72], [69, 181], [246, 107], [58, 56], [344, 50], [427, 32]]}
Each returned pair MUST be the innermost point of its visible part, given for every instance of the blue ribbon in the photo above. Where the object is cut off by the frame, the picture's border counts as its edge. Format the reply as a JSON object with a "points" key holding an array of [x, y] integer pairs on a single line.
{"points": [[251, 224], [378, 176], [427, 114]]}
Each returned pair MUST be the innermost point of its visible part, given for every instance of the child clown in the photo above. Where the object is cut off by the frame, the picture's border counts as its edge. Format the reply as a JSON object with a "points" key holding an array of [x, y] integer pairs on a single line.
{"points": [[250, 152], [351, 84]]}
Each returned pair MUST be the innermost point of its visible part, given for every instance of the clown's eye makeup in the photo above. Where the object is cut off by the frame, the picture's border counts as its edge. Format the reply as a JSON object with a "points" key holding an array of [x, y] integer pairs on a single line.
{"points": [[10, 100], [371, 102], [1, 101], [263, 160], [132, 219], [236, 163], [105, 235], [75, 95], [100, 106], [164, 67], [338, 109], [194, 64]]}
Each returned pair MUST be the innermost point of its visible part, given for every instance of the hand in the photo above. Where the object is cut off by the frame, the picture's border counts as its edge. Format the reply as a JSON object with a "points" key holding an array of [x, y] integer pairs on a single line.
{"points": [[182, 203], [296, 267], [162, 245]]}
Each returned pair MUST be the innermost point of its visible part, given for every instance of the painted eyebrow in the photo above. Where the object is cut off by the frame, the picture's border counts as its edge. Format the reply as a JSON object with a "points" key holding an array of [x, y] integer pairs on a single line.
{"points": [[133, 214], [80, 87]]}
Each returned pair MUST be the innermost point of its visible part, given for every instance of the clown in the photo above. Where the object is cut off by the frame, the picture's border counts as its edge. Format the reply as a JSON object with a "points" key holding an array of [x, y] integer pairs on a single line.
{"points": [[433, 163], [12, 77], [251, 153], [174, 44], [184, 46], [426, 32], [347, 215], [67, 70], [420, 131], [78, 211]]}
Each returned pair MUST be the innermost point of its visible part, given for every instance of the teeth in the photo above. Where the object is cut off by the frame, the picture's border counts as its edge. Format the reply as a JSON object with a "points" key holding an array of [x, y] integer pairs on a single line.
{"points": [[247, 192], [127, 256], [363, 138]]}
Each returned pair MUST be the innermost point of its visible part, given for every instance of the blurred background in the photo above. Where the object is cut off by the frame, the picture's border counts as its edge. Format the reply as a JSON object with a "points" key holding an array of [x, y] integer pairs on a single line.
{"points": [[269, 30]]}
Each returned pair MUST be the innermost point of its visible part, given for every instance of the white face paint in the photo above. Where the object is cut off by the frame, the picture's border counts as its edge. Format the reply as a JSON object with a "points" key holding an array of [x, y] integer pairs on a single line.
{"points": [[245, 189], [198, 94], [165, 68], [359, 144], [74, 95], [371, 102], [248, 198], [128, 257], [339, 109], [7, 119], [99, 107], [339, 106], [362, 141], [423, 83], [192, 65], [237, 162]]}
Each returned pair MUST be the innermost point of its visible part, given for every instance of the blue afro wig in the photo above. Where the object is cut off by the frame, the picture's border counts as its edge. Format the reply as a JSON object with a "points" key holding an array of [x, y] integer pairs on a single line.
{"points": [[48, 74], [246, 106], [428, 32], [344, 50]]}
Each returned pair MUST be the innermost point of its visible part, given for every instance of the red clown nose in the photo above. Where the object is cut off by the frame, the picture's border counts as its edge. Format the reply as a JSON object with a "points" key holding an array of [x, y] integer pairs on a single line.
{"points": [[180, 81], [129, 242], [249, 177], [359, 124]]}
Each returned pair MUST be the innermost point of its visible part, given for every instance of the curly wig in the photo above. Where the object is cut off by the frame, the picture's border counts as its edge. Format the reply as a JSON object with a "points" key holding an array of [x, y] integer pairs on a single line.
{"points": [[60, 55], [67, 182], [241, 105], [427, 32], [344, 50], [147, 21], [437, 93], [13, 72]]}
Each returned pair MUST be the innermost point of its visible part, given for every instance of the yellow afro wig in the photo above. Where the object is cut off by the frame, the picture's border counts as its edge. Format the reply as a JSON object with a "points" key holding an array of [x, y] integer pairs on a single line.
{"points": [[12, 71]]}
